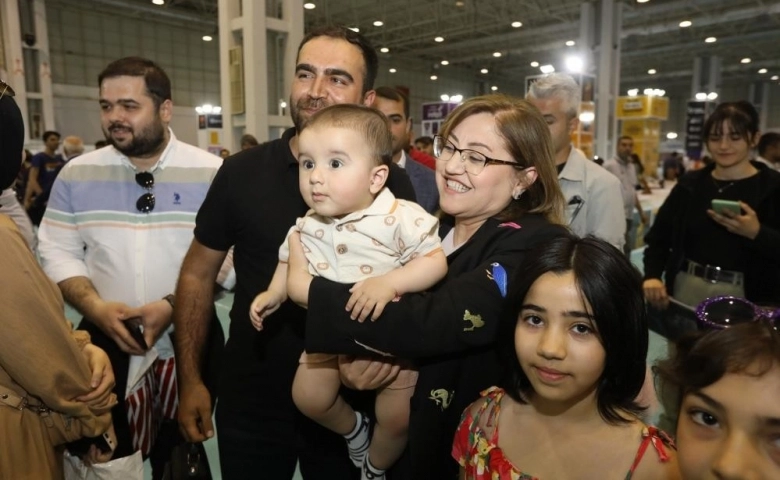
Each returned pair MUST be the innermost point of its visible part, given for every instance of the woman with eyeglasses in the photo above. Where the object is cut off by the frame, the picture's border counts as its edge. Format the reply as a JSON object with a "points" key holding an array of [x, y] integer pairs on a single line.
{"points": [[725, 384], [499, 196], [718, 231]]}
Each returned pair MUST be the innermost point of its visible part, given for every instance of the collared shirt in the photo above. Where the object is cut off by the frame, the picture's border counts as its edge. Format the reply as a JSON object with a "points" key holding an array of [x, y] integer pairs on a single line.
{"points": [[594, 202], [92, 227], [387, 235], [626, 173], [402, 162]]}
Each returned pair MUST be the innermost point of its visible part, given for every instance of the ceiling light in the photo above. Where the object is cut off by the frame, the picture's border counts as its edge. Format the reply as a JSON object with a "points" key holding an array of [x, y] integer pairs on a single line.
{"points": [[392, 70], [534, 64], [685, 24], [633, 92], [671, 135], [775, 77], [444, 97], [384, 49], [456, 98], [207, 38], [158, 2], [434, 77], [642, 1], [710, 40], [378, 23], [573, 64], [494, 88], [309, 6], [445, 62], [648, 91], [701, 96], [651, 71], [762, 71], [570, 43], [517, 24], [587, 117], [459, 3], [659, 92], [547, 69], [484, 70], [438, 39], [355, 29], [712, 96], [496, 54], [745, 60]]}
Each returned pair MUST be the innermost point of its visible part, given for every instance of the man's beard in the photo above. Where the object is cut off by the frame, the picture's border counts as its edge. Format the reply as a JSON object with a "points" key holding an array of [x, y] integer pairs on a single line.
{"points": [[296, 107], [144, 143]]}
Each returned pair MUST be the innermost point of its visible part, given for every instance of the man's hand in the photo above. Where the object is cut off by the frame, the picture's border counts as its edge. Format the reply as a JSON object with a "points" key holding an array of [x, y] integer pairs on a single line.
{"points": [[102, 377], [371, 294], [94, 455], [366, 373], [156, 317], [195, 413], [655, 293], [746, 225], [110, 317]]}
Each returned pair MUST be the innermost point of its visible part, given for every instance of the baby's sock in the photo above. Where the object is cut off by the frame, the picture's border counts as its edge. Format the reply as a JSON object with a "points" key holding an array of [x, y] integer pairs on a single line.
{"points": [[370, 472], [358, 440]]}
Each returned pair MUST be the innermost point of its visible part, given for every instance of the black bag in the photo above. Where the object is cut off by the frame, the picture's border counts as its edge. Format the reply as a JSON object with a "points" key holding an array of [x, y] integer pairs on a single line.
{"points": [[188, 462]]}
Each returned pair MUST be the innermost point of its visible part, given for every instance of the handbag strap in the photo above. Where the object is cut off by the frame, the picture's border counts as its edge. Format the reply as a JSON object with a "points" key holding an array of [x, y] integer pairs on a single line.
{"points": [[12, 399]]}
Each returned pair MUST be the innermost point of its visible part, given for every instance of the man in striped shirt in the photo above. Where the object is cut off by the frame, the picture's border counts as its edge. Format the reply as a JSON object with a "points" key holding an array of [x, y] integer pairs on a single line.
{"points": [[118, 224]]}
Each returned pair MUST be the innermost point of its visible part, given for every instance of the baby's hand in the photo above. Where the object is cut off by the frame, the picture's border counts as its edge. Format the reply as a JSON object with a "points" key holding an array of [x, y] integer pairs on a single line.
{"points": [[264, 304], [370, 294]]}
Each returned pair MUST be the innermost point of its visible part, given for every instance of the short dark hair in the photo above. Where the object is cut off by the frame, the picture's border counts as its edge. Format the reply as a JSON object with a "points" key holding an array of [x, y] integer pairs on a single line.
{"points": [[612, 287], [742, 117], [767, 140], [390, 93], [158, 85], [424, 140], [625, 137], [702, 358], [249, 139], [371, 124], [100, 144], [50, 133], [366, 49]]}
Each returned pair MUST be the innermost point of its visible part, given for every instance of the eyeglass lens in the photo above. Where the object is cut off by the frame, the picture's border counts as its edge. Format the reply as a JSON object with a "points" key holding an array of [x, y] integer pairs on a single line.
{"points": [[145, 202], [729, 312]]}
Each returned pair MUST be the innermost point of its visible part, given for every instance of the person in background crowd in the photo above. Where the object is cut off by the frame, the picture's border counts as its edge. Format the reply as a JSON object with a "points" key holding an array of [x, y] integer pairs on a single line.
{"points": [[72, 147], [252, 204], [100, 144], [701, 252], [500, 197], [724, 385], [224, 153], [592, 194], [573, 342], [45, 167], [424, 144], [769, 150], [113, 238], [20, 186], [55, 386], [395, 106], [624, 168], [248, 141]]}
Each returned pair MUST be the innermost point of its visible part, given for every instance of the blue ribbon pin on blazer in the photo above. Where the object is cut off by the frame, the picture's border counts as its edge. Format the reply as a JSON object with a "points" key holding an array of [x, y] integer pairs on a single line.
{"points": [[500, 277]]}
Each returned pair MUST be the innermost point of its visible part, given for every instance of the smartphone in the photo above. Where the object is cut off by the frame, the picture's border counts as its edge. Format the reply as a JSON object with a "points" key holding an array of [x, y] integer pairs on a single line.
{"points": [[133, 325], [723, 206]]}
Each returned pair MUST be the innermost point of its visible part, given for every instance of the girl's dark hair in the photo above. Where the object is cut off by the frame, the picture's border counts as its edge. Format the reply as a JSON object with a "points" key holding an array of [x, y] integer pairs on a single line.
{"points": [[702, 358], [742, 117], [613, 289]]}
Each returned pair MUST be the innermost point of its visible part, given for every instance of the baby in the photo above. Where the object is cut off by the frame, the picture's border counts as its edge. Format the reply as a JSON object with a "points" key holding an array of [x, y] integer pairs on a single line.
{"points": [[356, 232]]}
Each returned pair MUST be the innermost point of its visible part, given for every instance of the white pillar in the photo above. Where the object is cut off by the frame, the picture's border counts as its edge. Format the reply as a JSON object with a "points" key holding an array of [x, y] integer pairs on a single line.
{"points": [[14, 63], [608, 81]]}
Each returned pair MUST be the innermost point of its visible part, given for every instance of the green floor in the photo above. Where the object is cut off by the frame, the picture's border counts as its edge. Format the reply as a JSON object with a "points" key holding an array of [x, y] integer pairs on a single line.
{"points": [[657, 350]]}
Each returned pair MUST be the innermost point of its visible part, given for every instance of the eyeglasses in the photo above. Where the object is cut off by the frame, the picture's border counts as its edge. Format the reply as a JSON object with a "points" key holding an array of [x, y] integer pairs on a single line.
{"points": [[727, 311], [6, 89], [145, 202], [473, 161]]}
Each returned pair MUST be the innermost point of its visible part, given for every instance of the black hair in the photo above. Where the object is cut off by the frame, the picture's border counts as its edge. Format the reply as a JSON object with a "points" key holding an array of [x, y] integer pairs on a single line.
{"points": [[742, 117], [11, 141], [612, 286], [158, 85], [425, 140], [366, 49], [767, 140], [390, 93], [50, 133]]}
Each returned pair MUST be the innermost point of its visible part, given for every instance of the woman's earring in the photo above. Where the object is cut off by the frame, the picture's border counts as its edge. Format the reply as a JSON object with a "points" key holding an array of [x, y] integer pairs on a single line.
{"points": [[517, 194]]}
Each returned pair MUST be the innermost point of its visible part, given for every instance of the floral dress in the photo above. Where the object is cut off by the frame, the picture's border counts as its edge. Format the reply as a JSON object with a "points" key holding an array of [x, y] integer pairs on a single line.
{"points": [[482, 458]]}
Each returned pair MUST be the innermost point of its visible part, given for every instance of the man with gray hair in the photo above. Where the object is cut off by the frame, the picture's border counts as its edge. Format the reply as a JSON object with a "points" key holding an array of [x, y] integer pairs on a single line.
{"points": [[72, 147], [594, 205]]}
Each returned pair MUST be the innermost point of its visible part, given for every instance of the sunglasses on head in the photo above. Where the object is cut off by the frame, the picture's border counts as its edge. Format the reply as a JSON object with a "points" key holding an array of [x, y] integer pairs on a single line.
{"points": [[727, 311], [6, 90], [145, 202]]}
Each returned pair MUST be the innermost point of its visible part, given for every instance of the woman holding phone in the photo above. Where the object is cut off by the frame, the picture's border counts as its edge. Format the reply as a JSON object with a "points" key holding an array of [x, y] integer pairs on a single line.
{"points": [[718, 231]]}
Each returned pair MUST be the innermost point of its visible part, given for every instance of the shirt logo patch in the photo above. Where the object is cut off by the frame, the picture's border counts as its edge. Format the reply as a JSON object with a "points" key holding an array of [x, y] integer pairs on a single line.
{"points": [[176, 199], [475, 321], [441, 397]]}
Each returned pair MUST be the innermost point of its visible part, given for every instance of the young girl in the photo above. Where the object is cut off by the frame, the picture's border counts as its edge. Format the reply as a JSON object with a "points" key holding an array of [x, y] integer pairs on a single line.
{"points": [[727, 384], [574, 342], [356, 231]]}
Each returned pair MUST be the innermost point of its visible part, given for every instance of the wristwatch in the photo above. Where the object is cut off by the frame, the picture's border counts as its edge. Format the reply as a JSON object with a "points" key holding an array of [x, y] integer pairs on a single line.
{"points": [[170, 299]]}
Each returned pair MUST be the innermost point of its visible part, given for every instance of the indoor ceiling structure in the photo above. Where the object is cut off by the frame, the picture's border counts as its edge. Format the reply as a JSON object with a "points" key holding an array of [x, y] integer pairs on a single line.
{"points": [[506, 36]]}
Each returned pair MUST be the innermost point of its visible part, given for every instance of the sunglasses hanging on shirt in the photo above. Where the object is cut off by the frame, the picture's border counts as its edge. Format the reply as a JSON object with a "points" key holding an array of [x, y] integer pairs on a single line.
{"points": [[145, 202]]}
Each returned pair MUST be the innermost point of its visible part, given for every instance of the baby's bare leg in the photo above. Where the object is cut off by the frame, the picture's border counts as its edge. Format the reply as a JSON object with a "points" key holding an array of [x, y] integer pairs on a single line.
{"points": [[316, 394], [392, 426]]}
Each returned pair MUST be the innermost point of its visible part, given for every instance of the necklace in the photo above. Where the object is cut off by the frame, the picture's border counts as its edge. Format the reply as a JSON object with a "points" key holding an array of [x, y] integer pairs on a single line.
{"points": [[722, 186]]}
